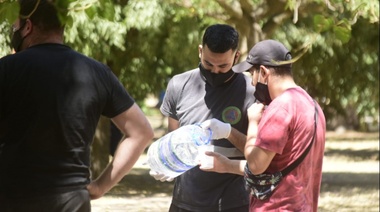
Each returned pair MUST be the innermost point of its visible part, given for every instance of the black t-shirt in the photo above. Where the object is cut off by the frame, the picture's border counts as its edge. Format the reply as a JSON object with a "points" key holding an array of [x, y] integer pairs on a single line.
{"points": [[51, 99]]}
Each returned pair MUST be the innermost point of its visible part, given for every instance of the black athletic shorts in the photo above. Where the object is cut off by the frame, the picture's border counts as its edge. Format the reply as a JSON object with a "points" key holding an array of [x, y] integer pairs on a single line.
{"points": [[71, 201]]}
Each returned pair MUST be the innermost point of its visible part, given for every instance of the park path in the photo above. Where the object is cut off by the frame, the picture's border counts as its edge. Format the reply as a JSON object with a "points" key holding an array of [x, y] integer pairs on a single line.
{"points": [[139, 192]]}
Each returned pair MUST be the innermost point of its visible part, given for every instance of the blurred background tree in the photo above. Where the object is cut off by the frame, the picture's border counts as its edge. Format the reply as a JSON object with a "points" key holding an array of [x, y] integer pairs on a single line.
{"points": [[146, 42]]}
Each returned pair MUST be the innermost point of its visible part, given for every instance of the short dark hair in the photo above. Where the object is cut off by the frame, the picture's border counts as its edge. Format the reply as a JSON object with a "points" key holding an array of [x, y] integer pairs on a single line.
{"points": [[41, 13], [220, 38], [281, 70]]}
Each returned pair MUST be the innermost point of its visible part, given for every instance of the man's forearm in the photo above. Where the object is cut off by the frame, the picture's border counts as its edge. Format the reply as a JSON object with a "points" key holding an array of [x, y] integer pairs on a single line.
{"points": [[237, 167], [238, 139]]}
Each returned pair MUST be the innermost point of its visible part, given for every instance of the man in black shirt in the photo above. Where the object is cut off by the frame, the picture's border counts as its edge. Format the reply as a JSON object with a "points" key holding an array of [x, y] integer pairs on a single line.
{"points": [[51, 99]]}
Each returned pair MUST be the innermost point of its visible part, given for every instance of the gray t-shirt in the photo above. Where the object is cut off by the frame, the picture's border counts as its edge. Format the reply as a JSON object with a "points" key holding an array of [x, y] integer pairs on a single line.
{"points": [[189, 99]]}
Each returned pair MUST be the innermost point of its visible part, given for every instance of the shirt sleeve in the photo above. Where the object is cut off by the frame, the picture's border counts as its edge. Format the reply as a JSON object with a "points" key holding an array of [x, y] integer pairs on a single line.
{"points": [[118, 100], [168, 107]]}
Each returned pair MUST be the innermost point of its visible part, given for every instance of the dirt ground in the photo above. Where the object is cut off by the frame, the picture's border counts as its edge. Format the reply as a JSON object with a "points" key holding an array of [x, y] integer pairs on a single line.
{"points": [[350, 179]]}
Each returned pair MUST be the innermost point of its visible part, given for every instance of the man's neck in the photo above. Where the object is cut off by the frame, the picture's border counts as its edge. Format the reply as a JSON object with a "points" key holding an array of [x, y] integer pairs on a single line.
{"points": [[280, 86], [42, 38]]}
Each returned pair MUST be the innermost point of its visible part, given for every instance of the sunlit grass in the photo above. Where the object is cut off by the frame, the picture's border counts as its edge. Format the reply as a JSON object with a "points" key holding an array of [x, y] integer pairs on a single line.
{"points": [[347, 198]]}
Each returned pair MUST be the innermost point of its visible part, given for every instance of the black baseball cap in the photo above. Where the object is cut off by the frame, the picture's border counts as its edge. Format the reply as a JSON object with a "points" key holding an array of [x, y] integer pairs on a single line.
{"points": [[266, 52]]}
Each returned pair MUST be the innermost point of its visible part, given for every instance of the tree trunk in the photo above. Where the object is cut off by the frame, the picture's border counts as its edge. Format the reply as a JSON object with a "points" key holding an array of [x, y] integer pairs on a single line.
{"points": [[100, 150]]}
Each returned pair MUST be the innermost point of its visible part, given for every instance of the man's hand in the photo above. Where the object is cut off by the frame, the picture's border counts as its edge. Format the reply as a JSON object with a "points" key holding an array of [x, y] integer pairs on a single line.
{"points": [[255, 111], [94, 190], [222, 164], [219, 129], [160, 176]]}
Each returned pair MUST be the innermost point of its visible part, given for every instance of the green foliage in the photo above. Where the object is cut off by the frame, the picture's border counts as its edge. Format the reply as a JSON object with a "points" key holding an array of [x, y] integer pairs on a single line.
{"points": [[8, 14], [5, 29], [144, 14], [335, 43], [322, 24], [7, 10]]}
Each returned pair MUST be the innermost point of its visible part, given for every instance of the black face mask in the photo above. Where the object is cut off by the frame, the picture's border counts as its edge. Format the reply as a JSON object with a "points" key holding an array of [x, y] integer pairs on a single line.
{"points": [[262, 93], [215, 79], [17, 40]]}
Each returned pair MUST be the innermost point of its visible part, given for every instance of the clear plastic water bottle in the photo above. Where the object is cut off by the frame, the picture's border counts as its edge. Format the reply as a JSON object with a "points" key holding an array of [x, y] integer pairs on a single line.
{"points": [[177, 151]]}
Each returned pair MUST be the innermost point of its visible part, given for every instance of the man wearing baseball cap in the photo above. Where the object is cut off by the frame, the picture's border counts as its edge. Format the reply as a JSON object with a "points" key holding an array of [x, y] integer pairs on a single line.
{"points": [[286, 129], [269, 53]]}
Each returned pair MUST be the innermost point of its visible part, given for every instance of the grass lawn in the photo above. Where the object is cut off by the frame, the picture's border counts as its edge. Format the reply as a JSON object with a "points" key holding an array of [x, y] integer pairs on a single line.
{"points": [[350, 179]]}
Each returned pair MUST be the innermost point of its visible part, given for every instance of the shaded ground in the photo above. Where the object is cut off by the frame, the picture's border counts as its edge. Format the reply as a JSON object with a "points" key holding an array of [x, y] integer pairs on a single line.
{"points": [[350, 179]]}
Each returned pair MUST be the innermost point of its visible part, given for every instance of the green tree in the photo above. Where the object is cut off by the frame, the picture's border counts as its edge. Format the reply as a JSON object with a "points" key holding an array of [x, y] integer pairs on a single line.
{"points": [[335, 43]]}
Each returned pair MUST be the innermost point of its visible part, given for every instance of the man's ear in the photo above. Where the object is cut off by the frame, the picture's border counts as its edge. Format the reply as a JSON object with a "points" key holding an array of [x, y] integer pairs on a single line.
{"points": [[264, 72], [28, 28], [237, 56], [200, 51]]}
